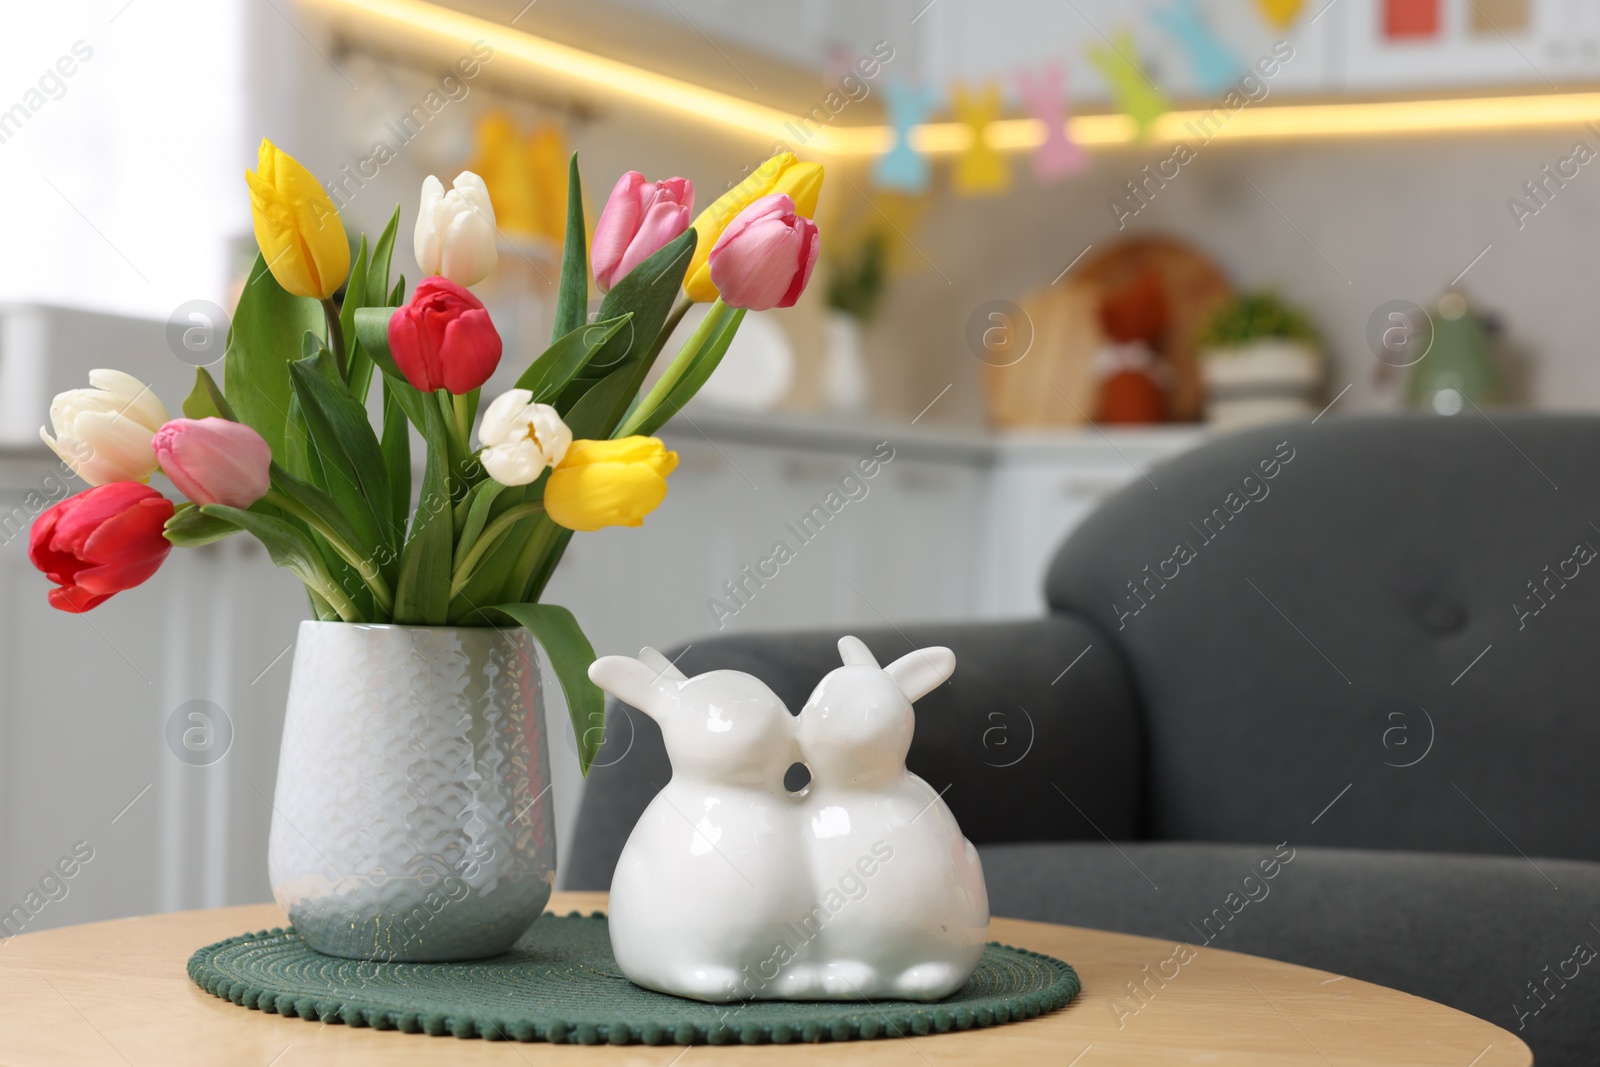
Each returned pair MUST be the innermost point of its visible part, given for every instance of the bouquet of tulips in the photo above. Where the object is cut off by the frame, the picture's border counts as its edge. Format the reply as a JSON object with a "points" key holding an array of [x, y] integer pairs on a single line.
{"points": [[284, 450]]}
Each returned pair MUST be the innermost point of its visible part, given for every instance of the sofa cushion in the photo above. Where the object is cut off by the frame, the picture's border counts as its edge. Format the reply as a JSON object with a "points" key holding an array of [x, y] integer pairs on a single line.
{"points": [[1031, 704], [1468, 931], [1404, 606]]}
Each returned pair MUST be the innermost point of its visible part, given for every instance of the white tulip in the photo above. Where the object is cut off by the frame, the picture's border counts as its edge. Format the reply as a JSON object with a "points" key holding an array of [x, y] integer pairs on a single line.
{"points": [[103, 432], [455, 230], [521, 438]]}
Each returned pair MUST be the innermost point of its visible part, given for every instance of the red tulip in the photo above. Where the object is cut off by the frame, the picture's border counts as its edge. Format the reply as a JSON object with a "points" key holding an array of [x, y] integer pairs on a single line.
{"points": [[443, 339], [640, 219], [100, 542], [764, 258]]}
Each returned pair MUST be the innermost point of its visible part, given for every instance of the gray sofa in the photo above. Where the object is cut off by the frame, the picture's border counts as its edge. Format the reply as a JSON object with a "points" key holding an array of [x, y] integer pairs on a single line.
{"points": [[1366, 649]]}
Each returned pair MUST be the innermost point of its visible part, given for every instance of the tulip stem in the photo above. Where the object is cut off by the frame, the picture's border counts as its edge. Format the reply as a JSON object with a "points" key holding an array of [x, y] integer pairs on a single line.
{"points": [[337, 600], [463, 418], [485, 541], [364, 567], [335, 334], [679, 365]]}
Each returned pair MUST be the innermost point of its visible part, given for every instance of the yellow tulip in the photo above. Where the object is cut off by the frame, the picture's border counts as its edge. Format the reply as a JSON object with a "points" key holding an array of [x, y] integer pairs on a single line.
{"points": [[297, 226], [783, 173], [608, 483]]}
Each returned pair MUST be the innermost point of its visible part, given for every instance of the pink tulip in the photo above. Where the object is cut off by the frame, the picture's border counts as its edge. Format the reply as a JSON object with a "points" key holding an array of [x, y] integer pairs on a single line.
{"points": [[640, 219], [214, 461], [764, 258]]}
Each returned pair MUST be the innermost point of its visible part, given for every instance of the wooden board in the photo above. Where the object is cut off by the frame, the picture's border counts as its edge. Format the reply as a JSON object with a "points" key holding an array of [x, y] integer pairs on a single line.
{"points": [[1055, 384], [116, 993]]}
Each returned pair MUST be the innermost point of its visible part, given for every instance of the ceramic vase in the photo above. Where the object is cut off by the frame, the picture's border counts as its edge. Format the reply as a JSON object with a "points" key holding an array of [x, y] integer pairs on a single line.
{"points": [[412, 819]]}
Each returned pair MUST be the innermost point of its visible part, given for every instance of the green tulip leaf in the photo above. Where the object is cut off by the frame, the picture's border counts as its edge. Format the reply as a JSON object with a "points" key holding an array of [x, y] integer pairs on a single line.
{"points": [[372, 328], [205, 400], [368, 287], [396, 446], [473, 513], [358, 362], [350, 455], [377, 291], [311, 346], [648, 291], [602, 406], [422, 597], [263, 341], [553, 541], [492, 577], [190, 527], [372, 333], [570, 654], [700, 368], [288, 548], [302, 460], [566, 358], [313, 500], [572, 296]]}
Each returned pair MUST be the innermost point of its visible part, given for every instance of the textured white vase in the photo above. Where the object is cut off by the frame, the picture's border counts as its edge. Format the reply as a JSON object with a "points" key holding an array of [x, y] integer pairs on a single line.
{"points": [[412, 817], [730, 888]]}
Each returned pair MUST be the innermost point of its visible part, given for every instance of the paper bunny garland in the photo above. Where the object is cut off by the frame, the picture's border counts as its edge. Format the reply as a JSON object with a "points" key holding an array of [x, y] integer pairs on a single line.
{"points": [[730, 888]]}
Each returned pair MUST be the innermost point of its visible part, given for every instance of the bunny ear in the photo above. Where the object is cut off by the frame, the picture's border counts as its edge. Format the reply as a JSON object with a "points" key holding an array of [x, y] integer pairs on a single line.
{"points": [[853, 651], [635, 683], [921, 672], [660, 664]]}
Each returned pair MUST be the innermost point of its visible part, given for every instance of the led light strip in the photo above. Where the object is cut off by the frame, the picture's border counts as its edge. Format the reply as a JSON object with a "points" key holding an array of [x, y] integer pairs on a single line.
{"points": [[429, 25]]}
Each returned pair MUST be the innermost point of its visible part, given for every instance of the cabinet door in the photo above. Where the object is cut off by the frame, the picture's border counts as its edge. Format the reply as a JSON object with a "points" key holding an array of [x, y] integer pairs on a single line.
{"points": [[1035, 500], [146, 729]]}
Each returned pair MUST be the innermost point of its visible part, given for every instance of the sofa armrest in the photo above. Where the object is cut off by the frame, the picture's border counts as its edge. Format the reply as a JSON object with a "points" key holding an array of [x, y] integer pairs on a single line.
{"points": [[1035, 738]]}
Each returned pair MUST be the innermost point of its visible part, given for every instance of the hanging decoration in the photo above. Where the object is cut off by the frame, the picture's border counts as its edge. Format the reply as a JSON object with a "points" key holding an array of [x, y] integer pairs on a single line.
{"points": [[526, 176], [839, 62], [1212, 63], [1492, 18], [903, 167], [980, 170], [1138, 97], [1044, 93], [1280, 13], [548, 158], [1410, 18]]}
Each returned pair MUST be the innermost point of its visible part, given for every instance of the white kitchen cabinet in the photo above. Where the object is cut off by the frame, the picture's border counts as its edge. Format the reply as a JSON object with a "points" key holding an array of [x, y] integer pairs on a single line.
{"points": [[1042, 485]]}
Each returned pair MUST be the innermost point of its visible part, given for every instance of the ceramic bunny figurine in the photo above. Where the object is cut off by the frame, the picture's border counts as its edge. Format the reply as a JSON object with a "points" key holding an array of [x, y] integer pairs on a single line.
{"points": [[730, 888], [714, 868], [900, 905]]}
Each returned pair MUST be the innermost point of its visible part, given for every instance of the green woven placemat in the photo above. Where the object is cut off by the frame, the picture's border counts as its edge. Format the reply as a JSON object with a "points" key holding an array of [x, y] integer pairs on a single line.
{"points": [[561, 984]]}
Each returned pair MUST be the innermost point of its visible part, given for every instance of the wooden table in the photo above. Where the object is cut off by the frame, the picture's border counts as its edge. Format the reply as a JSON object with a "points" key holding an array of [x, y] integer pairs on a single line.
{"points": [[116, 993]]}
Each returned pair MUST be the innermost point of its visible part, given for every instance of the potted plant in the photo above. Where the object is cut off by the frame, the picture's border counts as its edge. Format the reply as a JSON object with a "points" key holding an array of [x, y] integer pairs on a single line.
{"points": [[410, 820], [1260, 361]]}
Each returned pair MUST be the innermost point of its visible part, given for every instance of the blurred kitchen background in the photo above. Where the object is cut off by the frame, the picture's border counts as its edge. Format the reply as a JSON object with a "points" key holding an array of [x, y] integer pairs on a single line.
{"points": [[1258, 210]]}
